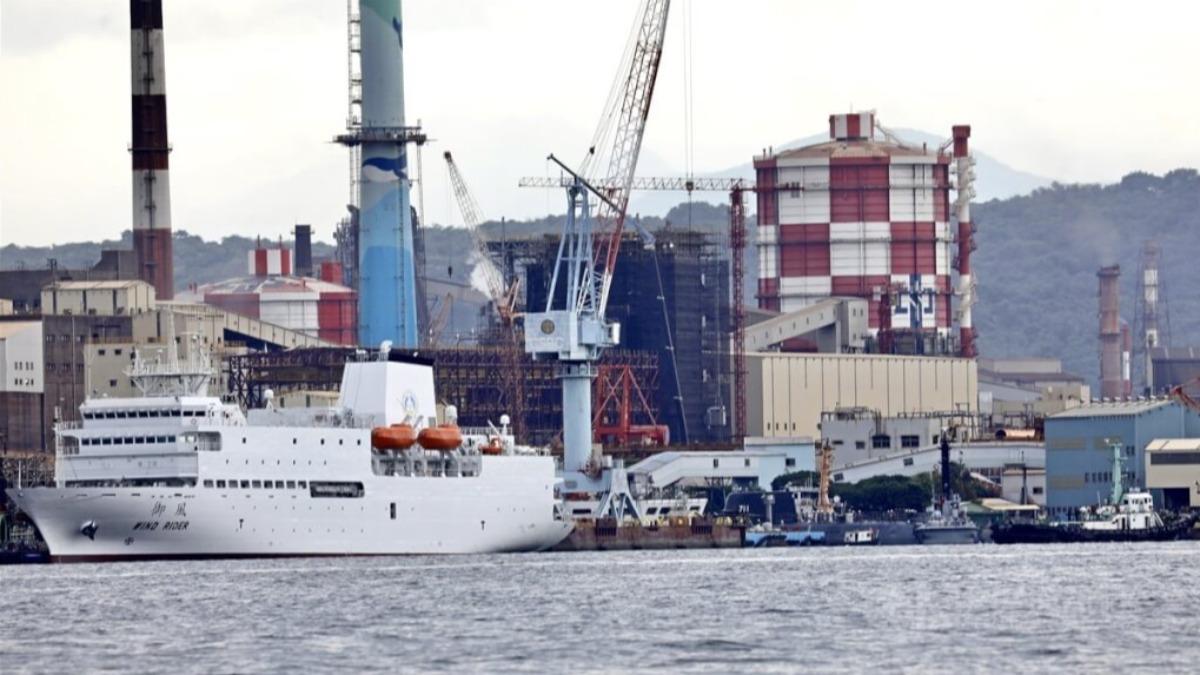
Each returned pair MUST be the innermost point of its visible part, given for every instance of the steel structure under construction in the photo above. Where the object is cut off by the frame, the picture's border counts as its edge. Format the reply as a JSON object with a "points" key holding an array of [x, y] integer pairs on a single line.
{"points": [[687, 325], [469, 379]]}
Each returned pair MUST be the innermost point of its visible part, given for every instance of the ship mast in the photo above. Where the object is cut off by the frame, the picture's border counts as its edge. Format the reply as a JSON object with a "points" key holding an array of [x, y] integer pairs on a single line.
{"points": [[172, 376]]}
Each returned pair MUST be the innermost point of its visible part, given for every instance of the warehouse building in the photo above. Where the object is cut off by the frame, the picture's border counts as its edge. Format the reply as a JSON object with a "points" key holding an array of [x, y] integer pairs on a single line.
{"points": [[786, 394], [1078, 454], [1173, 472], [22, 389]]}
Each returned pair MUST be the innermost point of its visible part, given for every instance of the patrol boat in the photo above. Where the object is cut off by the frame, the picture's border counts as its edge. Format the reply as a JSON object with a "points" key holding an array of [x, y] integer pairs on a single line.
{"points": [[177, 473]]}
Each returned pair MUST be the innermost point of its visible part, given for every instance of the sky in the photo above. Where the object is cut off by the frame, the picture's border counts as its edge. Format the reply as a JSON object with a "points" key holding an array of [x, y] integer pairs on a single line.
{"points": [[1074, 91]]}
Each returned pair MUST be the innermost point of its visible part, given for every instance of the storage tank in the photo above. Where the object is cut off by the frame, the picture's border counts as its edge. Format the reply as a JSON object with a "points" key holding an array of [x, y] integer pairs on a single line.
{"points": [[866, 215]]}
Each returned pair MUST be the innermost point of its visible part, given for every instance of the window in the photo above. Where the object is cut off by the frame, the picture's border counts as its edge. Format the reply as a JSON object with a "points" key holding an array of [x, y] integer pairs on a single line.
{"points": [[220, 483], [881, 441], [747, 462], [790, 461], [233, 484], [1037, 490], [256, 483], [208, 483], [393, 510], [716, 463], [350, 490], [908, 461], [300, 484], [278, 485], [860, 445], [116, 352], [910, 441], [100, 352], [246, 484], [291, 485]]}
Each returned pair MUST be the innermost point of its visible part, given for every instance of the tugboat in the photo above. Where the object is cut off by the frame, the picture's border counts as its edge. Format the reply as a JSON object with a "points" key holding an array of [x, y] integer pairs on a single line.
{"points": [[1128, 516], [947, 523]]}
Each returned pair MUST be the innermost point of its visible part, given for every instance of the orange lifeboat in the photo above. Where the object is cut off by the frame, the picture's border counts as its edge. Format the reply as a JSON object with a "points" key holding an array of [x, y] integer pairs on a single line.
{"points": [[492, 447], [395, 437], [441, 437]]}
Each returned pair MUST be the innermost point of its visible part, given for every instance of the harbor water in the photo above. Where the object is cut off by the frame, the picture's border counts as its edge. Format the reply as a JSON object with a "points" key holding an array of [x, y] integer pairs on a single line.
{"points": [[1083, 607]]}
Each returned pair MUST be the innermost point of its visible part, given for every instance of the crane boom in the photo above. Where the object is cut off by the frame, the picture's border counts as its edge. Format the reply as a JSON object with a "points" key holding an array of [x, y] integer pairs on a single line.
{"points": [[634, 108]]}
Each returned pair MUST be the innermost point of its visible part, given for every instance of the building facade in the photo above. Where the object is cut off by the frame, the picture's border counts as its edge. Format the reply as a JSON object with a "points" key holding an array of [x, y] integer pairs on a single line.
{"points": [[786, 394], [868, 216], [22, 385], [1079, 458]]}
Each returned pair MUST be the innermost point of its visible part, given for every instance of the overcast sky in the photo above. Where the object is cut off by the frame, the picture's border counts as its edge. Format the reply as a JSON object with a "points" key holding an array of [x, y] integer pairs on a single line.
{"points": [[1076, 91]]}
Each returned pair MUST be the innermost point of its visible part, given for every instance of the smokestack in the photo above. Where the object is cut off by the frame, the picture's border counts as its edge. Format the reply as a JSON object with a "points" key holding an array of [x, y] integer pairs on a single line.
{"points": [[1112, 379], [149, 149], [966, 190], [303, 248], [387, 292]]}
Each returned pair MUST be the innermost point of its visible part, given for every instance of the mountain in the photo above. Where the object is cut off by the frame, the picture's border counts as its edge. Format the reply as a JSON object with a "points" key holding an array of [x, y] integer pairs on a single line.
{"points": [[1038, 255]]}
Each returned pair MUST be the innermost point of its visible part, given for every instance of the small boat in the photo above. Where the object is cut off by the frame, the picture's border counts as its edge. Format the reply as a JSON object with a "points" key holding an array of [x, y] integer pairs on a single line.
{"points": [[1127, 517], [947, 524]]}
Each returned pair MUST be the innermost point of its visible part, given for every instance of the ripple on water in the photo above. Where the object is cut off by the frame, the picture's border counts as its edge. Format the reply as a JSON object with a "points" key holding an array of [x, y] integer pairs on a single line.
{"points": [[948, 609]]}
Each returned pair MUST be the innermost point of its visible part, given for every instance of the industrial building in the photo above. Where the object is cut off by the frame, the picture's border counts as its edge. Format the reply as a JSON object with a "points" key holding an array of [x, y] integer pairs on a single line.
{"points": [[321, 308], [22, 385], [1173, 473], [787, 393], [1174, 367], [987, 459], [90, 329], [1078, 455], [866, 215]]}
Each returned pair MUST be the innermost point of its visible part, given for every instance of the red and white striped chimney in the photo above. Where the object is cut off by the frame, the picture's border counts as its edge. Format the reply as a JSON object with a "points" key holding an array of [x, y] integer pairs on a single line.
{"points": [[966, 243], [149, 148]]}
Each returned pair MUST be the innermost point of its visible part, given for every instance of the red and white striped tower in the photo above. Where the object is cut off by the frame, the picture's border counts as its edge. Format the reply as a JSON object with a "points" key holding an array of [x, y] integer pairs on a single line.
{"points": [[966, 241], [149, 148], [864, 215]]}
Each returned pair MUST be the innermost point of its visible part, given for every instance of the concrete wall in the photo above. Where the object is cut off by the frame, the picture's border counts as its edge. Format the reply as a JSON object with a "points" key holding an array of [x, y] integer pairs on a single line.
{"points": [[1173, 472], [102, 298], [786, 393], [21, 362]]}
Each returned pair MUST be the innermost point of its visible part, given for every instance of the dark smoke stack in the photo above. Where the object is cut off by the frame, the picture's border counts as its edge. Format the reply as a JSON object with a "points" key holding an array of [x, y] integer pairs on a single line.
{"points": [[149, 149], [304, 267]]}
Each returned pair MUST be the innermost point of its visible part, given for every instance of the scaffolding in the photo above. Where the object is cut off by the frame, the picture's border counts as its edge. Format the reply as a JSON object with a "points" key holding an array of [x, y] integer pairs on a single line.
{"points": [[470, 378]]}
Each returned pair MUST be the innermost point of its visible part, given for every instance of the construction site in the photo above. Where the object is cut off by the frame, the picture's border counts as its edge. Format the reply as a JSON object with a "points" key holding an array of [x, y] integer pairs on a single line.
{"points": [[828, 316]]}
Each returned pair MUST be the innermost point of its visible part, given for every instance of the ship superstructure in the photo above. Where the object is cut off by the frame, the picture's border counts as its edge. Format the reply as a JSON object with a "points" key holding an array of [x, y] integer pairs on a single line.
{"points": [[180, 473]]}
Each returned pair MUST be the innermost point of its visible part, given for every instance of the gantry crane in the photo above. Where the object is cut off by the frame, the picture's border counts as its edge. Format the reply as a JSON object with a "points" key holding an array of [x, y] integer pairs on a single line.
{"points": [[736, 187], [504, 300], [575, 328]]}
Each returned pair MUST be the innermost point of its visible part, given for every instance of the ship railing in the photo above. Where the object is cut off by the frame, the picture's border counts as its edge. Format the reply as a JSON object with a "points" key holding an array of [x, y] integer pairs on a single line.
{"points": [[67, 425]]}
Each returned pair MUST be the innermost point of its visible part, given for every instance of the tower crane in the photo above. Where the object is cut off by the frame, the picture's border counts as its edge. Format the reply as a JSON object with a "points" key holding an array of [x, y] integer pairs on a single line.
{"points": [[503, 297], [575, 328]]}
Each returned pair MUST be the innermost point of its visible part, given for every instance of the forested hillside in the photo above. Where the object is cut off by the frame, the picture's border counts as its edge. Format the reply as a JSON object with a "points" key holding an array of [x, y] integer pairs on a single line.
{"points": [[1038, 255]]}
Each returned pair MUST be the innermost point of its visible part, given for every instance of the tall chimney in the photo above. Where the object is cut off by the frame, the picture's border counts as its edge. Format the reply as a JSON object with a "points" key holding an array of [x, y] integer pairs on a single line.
{"points": [[966, 243], [303, 249], [149, 148], [1112, 381]]}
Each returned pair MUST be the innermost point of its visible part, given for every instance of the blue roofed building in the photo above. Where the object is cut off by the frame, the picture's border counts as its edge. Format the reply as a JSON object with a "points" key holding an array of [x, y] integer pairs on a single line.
{"points": [[1078, 456]]}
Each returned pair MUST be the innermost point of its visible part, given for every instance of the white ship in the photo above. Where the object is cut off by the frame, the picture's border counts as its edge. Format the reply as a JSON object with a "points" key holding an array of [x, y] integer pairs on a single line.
{"points": [[177, 473]]}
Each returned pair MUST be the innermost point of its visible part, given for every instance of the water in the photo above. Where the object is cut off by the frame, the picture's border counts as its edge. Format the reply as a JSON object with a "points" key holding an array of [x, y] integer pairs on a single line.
{"points": [[917, 609]]}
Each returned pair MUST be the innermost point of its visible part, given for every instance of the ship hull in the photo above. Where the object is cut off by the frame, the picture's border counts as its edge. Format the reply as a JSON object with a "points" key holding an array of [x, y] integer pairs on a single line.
{"points": [[509, 508], [1046, 533], [947, 535]]}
